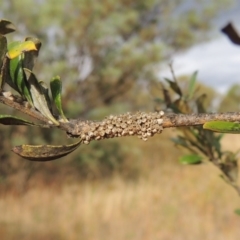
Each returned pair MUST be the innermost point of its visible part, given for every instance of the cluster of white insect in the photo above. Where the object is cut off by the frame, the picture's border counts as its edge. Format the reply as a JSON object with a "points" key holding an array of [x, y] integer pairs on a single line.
{"points": [[143, 125]]}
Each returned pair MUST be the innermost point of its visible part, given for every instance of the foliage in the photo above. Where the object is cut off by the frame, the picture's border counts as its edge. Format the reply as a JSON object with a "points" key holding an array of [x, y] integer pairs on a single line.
{"points": [[16, 70], [201, 143]]}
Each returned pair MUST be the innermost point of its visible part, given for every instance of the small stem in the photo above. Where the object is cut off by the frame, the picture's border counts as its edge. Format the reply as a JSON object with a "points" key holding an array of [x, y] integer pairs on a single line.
{"points": [[151, 124], [20, 106], [182, 120]]}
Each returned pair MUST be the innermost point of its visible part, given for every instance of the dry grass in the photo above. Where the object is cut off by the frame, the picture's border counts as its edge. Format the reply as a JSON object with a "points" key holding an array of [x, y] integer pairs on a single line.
{"points": [[172, 202]]}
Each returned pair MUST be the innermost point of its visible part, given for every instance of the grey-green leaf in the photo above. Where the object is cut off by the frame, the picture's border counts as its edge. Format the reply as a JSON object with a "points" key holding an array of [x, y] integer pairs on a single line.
{"points": [[44, 87], [11, 120], [44, 152], [56, 89], [38, 96], [174, 86]]}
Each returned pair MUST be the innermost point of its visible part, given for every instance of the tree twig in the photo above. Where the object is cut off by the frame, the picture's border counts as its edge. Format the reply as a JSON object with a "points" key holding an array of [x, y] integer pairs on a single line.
{"points": [[22, 107], [141, 124]]}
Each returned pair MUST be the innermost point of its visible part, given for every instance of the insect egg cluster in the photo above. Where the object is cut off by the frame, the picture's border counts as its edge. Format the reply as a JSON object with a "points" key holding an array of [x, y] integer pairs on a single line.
{"points": [[143, 125]]}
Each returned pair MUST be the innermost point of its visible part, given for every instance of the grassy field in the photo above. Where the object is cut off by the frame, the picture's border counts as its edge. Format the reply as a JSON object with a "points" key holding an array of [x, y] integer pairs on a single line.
{"points": [[170, 201]]}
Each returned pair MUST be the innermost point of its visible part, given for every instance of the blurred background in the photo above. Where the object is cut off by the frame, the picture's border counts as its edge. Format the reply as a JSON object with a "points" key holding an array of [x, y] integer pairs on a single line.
{"points": [[111, 56]]}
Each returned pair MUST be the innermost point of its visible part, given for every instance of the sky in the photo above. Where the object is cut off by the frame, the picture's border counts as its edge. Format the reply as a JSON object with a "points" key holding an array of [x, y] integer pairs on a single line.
{"points": [[217, 61]]}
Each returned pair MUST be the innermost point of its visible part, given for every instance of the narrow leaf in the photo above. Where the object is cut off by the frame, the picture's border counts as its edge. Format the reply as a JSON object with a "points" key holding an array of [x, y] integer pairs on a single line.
{"points": [[44, 87], [174, 86], [38, 97], [192, 84], [44, 152], [223, 127], [191, 159], [6, 27], [6, 74], [56, 89], [19, 79], [17, 48], [11, 120]]}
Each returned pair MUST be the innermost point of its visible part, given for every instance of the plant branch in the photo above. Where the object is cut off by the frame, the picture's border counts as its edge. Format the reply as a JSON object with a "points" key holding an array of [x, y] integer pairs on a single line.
{"points": [[180, 120], [141, 124], [22, 106]]}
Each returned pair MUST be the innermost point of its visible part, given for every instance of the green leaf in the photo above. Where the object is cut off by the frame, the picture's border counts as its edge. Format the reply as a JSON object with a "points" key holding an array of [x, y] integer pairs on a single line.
{"points": [[16, 48], [19, 79], [11, 120], [44, 87], [192, 84], [174, 86], [56, 89], [38, 96], [44, 152], [223, 127], [6, 27], [191, 159], [237, 211], [6, 74]]}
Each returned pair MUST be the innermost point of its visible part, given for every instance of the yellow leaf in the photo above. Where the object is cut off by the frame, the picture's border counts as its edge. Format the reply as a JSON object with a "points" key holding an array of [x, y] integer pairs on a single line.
{"points": [[17, 48]]}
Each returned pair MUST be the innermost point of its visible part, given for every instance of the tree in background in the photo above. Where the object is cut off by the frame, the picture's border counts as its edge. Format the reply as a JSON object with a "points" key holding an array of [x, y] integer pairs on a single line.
{"points": [[104, 50]]}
